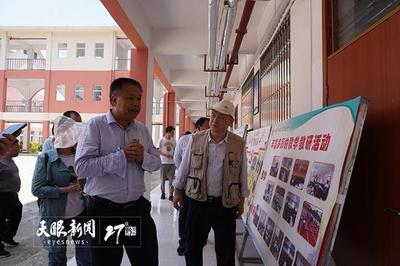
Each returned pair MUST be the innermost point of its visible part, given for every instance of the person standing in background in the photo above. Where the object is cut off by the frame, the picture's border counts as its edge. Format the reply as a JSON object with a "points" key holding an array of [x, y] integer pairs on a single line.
{"points": [[59, 193], [213, 173], [167, 146], [201, 124], [10, 184], [48, 144]]}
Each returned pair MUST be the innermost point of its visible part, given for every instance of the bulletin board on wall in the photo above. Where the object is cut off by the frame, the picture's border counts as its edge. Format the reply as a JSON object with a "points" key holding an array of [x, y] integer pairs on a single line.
{"points": [[295, 208]]}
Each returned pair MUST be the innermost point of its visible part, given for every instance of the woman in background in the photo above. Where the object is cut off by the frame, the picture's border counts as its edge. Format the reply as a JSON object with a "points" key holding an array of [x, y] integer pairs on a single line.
{"points": [[60, 197]]}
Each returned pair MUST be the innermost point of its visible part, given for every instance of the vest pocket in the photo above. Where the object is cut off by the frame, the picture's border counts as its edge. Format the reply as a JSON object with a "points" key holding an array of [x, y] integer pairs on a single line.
{"points": [[234, 194], [193, 187], [234, 165], [196, 160], [234, 168]]}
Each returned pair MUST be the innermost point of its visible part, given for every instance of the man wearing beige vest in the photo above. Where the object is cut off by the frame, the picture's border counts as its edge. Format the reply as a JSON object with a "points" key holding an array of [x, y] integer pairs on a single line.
{"points": [[214, 174]]}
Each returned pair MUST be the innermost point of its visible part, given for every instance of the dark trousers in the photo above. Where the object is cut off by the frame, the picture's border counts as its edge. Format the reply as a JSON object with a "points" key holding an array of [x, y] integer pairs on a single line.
{"points": [[10, 215], [58, 256], [201, 217], [142, 250], [182, 220]]}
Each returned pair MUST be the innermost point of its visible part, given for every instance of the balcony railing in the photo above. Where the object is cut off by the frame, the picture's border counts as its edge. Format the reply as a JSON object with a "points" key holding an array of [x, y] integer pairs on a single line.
{"points": [[26, 64], [122, 64], [24, 106]]}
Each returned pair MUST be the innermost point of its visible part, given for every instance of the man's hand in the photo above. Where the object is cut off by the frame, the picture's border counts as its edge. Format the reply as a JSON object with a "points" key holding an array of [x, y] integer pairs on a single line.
{"points": [[177, 199], [134, 151], [240, 208], [138, 150]]}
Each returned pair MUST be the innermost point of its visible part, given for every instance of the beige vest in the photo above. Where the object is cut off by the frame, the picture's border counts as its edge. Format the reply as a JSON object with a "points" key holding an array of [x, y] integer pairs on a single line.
{"points": [[196, 186]]}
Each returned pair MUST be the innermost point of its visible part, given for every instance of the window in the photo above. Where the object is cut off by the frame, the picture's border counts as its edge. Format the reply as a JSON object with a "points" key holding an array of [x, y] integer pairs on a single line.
{"points": [[60, 92], [247, 101], [62, 50], [79, 91], [32, 136], [40, 137], [99, 50], [80, 50], [97, 92], [352, 17], [275, 77]]}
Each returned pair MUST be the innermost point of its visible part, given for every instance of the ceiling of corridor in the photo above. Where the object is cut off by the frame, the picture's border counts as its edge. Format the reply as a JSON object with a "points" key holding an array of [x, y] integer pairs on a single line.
{"points": [[177, 33]]}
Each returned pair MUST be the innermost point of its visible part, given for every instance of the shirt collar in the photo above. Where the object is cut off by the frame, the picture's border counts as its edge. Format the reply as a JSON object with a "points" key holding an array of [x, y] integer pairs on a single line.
{"points": [[111, 120], [211, 140], [5, 161], [53, 155]]}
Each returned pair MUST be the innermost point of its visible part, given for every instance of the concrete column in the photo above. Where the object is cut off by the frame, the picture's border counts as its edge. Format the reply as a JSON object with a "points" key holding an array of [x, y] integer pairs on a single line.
{"points": [[139, 72], [171, 109], [45, 129], [3, 91], [182, 114], [187, 123], [47, 88], [165, 111], [4, 50], [27, 137], [49, 50]]}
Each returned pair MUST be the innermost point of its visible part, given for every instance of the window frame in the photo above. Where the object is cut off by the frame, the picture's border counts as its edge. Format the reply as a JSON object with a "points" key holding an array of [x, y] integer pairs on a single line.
{"points": [[77, 86], [60, 86], [96, 49], [80, 49], [60, 49], [101, 93]]}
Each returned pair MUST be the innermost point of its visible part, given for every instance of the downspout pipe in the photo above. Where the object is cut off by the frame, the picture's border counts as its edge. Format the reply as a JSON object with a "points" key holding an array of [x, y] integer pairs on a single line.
{"points": [[240, 32]]}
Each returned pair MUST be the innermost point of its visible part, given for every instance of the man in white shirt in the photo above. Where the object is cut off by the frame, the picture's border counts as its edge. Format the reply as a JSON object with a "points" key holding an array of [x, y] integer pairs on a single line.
{"points": [[214, 174], [201, 124], [167, 148]]}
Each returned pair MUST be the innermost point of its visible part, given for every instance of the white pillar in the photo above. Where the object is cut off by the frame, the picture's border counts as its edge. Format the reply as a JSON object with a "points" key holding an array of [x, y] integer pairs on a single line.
{"points": [[49, 50], [149, 108], [4, 50]]}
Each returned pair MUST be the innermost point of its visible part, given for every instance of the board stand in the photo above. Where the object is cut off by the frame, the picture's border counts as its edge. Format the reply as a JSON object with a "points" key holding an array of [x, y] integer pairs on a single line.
{"points": [[241, 257]]}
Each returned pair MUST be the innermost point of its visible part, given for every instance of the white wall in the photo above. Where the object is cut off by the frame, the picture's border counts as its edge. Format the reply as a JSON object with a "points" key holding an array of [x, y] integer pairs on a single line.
{"points": [[38, 117], [306, 56], [89, 62]]}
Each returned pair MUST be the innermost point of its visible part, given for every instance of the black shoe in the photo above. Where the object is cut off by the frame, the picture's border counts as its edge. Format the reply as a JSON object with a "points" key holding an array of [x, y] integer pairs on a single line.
{"points": [[171, 198], [163, 196], [10, 242], [181, 250], [4, 253]]}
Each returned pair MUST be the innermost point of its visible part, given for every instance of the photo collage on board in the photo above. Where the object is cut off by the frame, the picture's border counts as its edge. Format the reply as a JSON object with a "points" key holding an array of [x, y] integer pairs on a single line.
{"points": [[296, 173]]}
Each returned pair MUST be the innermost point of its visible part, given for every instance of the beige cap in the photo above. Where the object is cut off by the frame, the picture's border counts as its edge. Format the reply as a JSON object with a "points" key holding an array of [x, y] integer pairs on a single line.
{"points": [[225, 107], [66, 132]]}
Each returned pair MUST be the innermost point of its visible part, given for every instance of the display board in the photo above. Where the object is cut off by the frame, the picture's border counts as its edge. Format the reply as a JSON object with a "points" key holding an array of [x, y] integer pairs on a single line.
{"points": [[241, 131], [256, 142], [298, 188]]}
